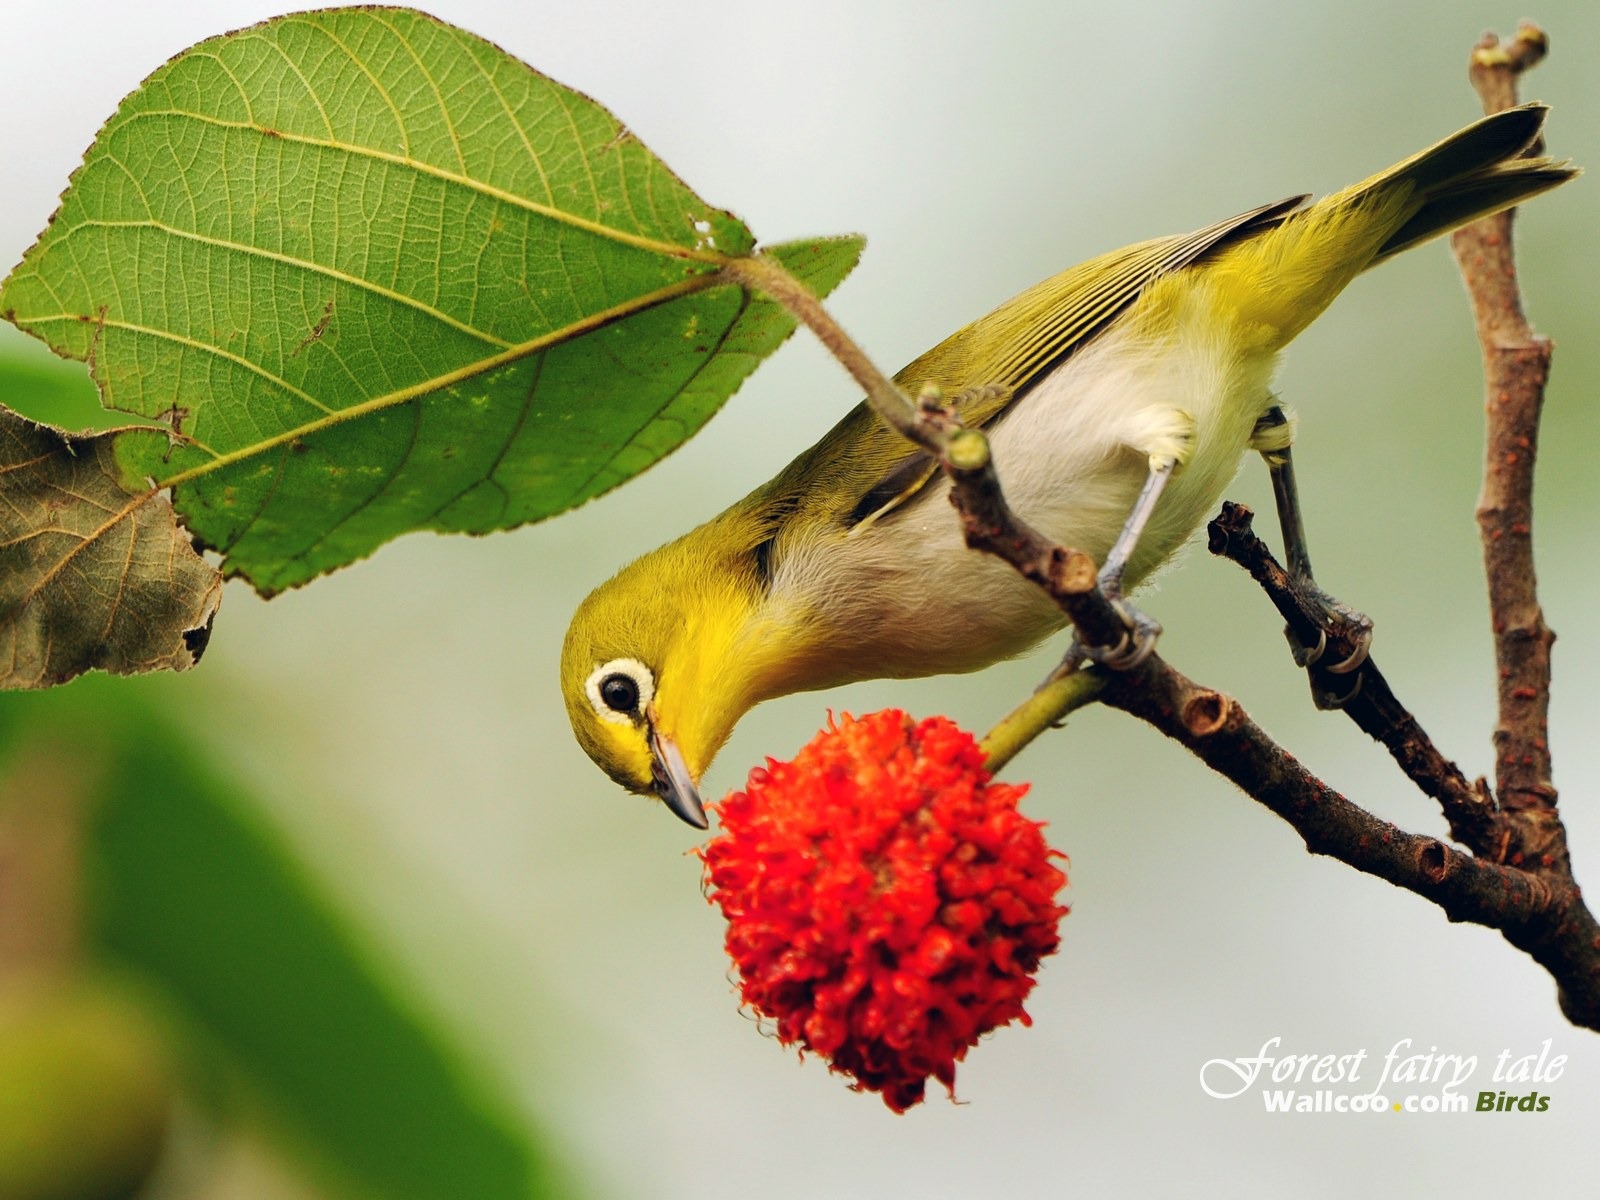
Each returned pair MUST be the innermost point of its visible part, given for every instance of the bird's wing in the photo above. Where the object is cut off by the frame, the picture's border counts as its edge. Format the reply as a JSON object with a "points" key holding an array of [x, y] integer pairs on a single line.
{"points": [[987, 365]]}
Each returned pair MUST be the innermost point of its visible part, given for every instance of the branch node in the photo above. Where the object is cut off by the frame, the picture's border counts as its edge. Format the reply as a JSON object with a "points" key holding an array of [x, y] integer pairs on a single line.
{"points": [[1434, 861], [1207, 712], [967, 450], [1525, 49], [1072, 572]]}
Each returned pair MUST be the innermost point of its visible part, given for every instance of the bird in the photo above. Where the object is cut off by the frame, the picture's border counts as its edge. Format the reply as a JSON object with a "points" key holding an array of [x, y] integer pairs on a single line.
{"points": [[1119, 398]]}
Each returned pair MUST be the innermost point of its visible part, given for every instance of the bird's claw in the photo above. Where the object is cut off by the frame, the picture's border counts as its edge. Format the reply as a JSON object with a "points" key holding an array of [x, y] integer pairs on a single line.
{"points": [[1303, 655], [1138, 641], [1349, 627], [1325, 699]]}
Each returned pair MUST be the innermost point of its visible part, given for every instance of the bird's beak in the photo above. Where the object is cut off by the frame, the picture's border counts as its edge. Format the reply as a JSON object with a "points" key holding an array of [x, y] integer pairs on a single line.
{"points": [[673, 782]]}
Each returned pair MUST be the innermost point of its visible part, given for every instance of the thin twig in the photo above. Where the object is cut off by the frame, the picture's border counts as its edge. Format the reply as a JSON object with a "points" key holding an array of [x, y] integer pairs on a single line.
{"points": [[1373, 705], [897, 410], [1067, 575], [1050, 705], [988, 523]]}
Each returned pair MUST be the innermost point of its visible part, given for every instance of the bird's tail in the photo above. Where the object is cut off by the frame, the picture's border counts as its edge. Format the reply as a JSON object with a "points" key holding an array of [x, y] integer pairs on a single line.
{"points": [[1285, 277], [1473, 173]]}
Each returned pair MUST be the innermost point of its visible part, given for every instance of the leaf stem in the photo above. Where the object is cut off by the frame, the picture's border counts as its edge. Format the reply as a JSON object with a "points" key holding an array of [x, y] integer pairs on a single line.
{"points": [[888, 400], [1056, 698]]}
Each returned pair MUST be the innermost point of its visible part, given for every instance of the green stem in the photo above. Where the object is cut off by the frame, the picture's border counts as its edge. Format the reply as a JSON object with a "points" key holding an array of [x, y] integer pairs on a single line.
{"points": [[1046, 708]]}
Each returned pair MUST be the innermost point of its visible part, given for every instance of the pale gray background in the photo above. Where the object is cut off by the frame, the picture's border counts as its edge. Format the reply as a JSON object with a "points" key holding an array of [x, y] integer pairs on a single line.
{"points": [[403, 720]]}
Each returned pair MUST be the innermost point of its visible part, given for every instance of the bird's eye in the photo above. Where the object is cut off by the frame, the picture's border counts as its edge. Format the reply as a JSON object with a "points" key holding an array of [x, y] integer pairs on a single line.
{"points": [[619, 693], [620, 689]]}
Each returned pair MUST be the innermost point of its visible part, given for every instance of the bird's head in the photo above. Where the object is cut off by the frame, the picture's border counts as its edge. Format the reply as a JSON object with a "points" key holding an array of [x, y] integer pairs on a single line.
{"points": [[662, 660]]}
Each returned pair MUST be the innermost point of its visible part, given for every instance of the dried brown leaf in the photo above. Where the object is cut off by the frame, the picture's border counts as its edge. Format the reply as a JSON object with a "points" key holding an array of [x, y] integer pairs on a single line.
{"points": [[95, 571]]}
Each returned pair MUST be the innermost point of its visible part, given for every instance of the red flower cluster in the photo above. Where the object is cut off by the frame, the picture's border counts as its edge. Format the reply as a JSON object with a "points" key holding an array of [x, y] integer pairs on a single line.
{"points": [[886, 903]]}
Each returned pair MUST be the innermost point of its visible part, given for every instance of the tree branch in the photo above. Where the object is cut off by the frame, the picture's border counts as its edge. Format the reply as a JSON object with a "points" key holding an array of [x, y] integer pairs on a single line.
{"points": [[1540, 915], [1516, 363], [1066, 575]]}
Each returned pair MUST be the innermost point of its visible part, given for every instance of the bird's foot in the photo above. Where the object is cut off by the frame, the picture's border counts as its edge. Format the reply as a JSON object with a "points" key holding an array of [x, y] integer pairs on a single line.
{"points": [[1137, 644], [1340, 630]]}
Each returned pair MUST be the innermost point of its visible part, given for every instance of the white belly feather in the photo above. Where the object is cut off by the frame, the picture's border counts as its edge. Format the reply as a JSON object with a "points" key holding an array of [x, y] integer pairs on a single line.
{"points": [[1071, 454]]}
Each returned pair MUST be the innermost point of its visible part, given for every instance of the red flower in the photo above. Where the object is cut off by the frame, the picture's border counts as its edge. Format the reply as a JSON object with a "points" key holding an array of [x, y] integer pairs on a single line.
{"points": [[886, 903]]}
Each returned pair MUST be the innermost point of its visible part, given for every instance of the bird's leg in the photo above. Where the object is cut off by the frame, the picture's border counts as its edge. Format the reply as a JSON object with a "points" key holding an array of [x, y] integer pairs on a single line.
{"points": [[1116, 564], [1143, 630], [1272, 438]]}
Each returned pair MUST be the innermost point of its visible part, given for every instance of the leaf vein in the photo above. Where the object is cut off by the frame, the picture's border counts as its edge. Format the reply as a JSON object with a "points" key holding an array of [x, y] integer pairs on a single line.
{"points": [[433, 86], [47, 577], [193, 344], [360, 64], [722, 339], [316, 268], [266, 499], [277, 48], [505, 446], [482, 187], [238, 84], [516, 123], [366, 501], [599, 320]]}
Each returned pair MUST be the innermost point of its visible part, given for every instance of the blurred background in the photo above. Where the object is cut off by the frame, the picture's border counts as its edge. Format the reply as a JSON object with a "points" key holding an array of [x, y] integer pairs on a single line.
{"points": [[385, 756]]}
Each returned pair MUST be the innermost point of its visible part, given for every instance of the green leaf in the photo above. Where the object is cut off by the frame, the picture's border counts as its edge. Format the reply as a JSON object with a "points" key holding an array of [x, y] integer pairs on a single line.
{"points": [[94, 571], [381, 276], [194, 891]]}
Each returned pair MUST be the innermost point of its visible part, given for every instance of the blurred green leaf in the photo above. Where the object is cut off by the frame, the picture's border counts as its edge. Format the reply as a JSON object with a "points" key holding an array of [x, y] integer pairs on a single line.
{"points": [[193, 890], [94, 571], [51, 391], [381, 276]]}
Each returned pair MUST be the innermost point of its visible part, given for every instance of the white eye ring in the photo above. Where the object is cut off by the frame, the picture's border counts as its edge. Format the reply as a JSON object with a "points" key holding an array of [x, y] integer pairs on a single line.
{"points": [[631, 670]]}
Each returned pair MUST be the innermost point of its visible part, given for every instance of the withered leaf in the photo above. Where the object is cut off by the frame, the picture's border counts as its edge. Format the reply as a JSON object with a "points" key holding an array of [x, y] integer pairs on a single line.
{"points": [[95, 571]]}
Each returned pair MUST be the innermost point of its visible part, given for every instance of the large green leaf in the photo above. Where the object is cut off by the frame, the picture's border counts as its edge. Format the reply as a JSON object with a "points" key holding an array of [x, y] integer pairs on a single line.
{"points": [[378, 276], [192, 889]]}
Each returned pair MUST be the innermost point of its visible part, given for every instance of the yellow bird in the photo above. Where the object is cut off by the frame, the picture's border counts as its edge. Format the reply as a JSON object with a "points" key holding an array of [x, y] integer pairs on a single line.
{"points": [[1119, 398]]}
